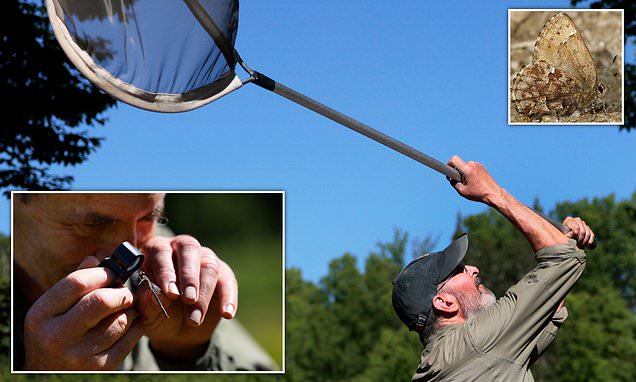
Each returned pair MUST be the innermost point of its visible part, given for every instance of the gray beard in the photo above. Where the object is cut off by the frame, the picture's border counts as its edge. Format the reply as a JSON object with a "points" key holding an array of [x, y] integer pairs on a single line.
{"points": [[471, 305]]}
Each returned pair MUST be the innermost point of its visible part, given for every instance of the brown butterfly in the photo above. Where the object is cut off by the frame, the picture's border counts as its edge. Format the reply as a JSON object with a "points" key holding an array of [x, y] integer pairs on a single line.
{"points": [[562, 78]]}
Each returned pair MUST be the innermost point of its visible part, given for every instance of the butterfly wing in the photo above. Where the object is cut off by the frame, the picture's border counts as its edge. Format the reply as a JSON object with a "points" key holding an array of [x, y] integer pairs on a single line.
{"points": [[561, 46], [540, 89]]}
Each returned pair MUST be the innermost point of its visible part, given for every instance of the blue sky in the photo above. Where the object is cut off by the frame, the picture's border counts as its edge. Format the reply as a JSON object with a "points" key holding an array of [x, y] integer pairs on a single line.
{"points": [[432, 74]]}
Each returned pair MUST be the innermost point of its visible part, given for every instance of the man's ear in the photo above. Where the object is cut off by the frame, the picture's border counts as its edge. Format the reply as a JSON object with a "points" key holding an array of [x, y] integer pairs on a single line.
{"points": [[446, 304]]}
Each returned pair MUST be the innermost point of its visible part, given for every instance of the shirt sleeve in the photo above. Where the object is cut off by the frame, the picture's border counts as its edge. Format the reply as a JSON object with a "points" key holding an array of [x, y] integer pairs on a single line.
{"points": [[231, 348], [544, 340], [521, 319]]}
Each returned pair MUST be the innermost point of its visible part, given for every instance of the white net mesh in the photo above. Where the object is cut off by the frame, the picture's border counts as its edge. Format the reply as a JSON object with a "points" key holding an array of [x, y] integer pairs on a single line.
{"points": [[162, 55]]}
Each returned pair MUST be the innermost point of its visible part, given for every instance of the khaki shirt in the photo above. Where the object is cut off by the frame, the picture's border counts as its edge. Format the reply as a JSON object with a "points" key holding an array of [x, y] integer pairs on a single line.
{"points": [[501, 342]]}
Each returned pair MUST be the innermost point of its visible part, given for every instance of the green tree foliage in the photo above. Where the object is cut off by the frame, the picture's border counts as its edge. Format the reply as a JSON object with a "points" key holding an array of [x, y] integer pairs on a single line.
{"points": [[346, 289], [613, 263], [369, 343], [46, 105], [344, 329], [312, 331], [393, 357], [598, 341], [334, 328]]}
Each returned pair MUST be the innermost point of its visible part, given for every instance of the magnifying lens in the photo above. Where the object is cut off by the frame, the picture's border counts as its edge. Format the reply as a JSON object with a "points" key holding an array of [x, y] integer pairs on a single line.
{"points": [[125, 260]]}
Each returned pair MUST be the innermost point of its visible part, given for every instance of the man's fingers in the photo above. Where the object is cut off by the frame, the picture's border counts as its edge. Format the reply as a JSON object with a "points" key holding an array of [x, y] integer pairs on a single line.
{"points": [[110, 330], [201, 277], [586, 236], [581, 234], [457, 162], [66, 292], [227, 290], [95, 306], [187, 251], [573, 224], [111, 358], [210, 272], [590, 242], [580, 231], [464, 168], [576, 229], [217, 279], [159, 255]]}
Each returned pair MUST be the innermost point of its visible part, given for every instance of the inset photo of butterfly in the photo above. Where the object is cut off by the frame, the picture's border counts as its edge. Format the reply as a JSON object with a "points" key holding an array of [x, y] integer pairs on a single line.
{"points": [[565, 67]]}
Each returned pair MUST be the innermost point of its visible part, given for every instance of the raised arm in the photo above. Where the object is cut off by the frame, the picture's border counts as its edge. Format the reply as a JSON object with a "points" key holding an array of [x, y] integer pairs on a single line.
{"points": [[481, 187]]}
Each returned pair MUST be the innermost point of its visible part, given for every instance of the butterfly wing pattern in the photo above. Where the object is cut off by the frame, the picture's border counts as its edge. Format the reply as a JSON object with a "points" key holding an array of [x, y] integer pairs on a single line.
{"points": [[562, 78]]}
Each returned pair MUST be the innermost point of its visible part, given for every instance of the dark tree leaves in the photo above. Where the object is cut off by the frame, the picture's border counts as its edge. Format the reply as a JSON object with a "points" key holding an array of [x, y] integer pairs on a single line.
{"points": [[628, 5], [47, 106], [630, 69]]}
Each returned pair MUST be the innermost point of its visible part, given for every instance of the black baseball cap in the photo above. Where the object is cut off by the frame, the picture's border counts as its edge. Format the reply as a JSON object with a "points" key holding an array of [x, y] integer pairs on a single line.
{"points": [[416, 285]]}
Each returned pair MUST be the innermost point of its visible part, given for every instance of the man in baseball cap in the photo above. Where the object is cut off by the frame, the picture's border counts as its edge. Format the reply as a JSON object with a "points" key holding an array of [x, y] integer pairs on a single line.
{"points": [[417, 284], [467, 333]]}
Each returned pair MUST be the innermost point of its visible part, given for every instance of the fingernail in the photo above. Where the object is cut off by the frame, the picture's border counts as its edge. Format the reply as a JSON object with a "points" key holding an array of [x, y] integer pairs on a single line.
{"points": [[195, 316], [190, 293], [172, 288], [228, 311]]}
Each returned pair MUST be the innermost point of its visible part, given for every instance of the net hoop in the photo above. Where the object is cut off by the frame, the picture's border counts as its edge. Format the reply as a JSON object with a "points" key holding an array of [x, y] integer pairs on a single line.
{"points": [[130, 94]]}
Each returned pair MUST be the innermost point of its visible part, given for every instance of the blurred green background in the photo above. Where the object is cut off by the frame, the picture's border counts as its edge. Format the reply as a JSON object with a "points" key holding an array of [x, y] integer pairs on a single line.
{"points": [[246, 231]]}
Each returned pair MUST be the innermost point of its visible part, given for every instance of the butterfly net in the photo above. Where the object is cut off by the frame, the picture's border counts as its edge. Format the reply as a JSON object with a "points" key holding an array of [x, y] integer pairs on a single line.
{"points": [[160, 55]]}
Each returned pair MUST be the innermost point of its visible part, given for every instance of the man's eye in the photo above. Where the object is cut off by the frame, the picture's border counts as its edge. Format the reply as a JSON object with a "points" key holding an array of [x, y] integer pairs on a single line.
{"points": [[161, 220]]}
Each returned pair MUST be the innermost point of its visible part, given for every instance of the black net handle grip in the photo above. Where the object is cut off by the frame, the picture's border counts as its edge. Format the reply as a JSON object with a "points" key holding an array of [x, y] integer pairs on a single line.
{"points": [[125, 260]]}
